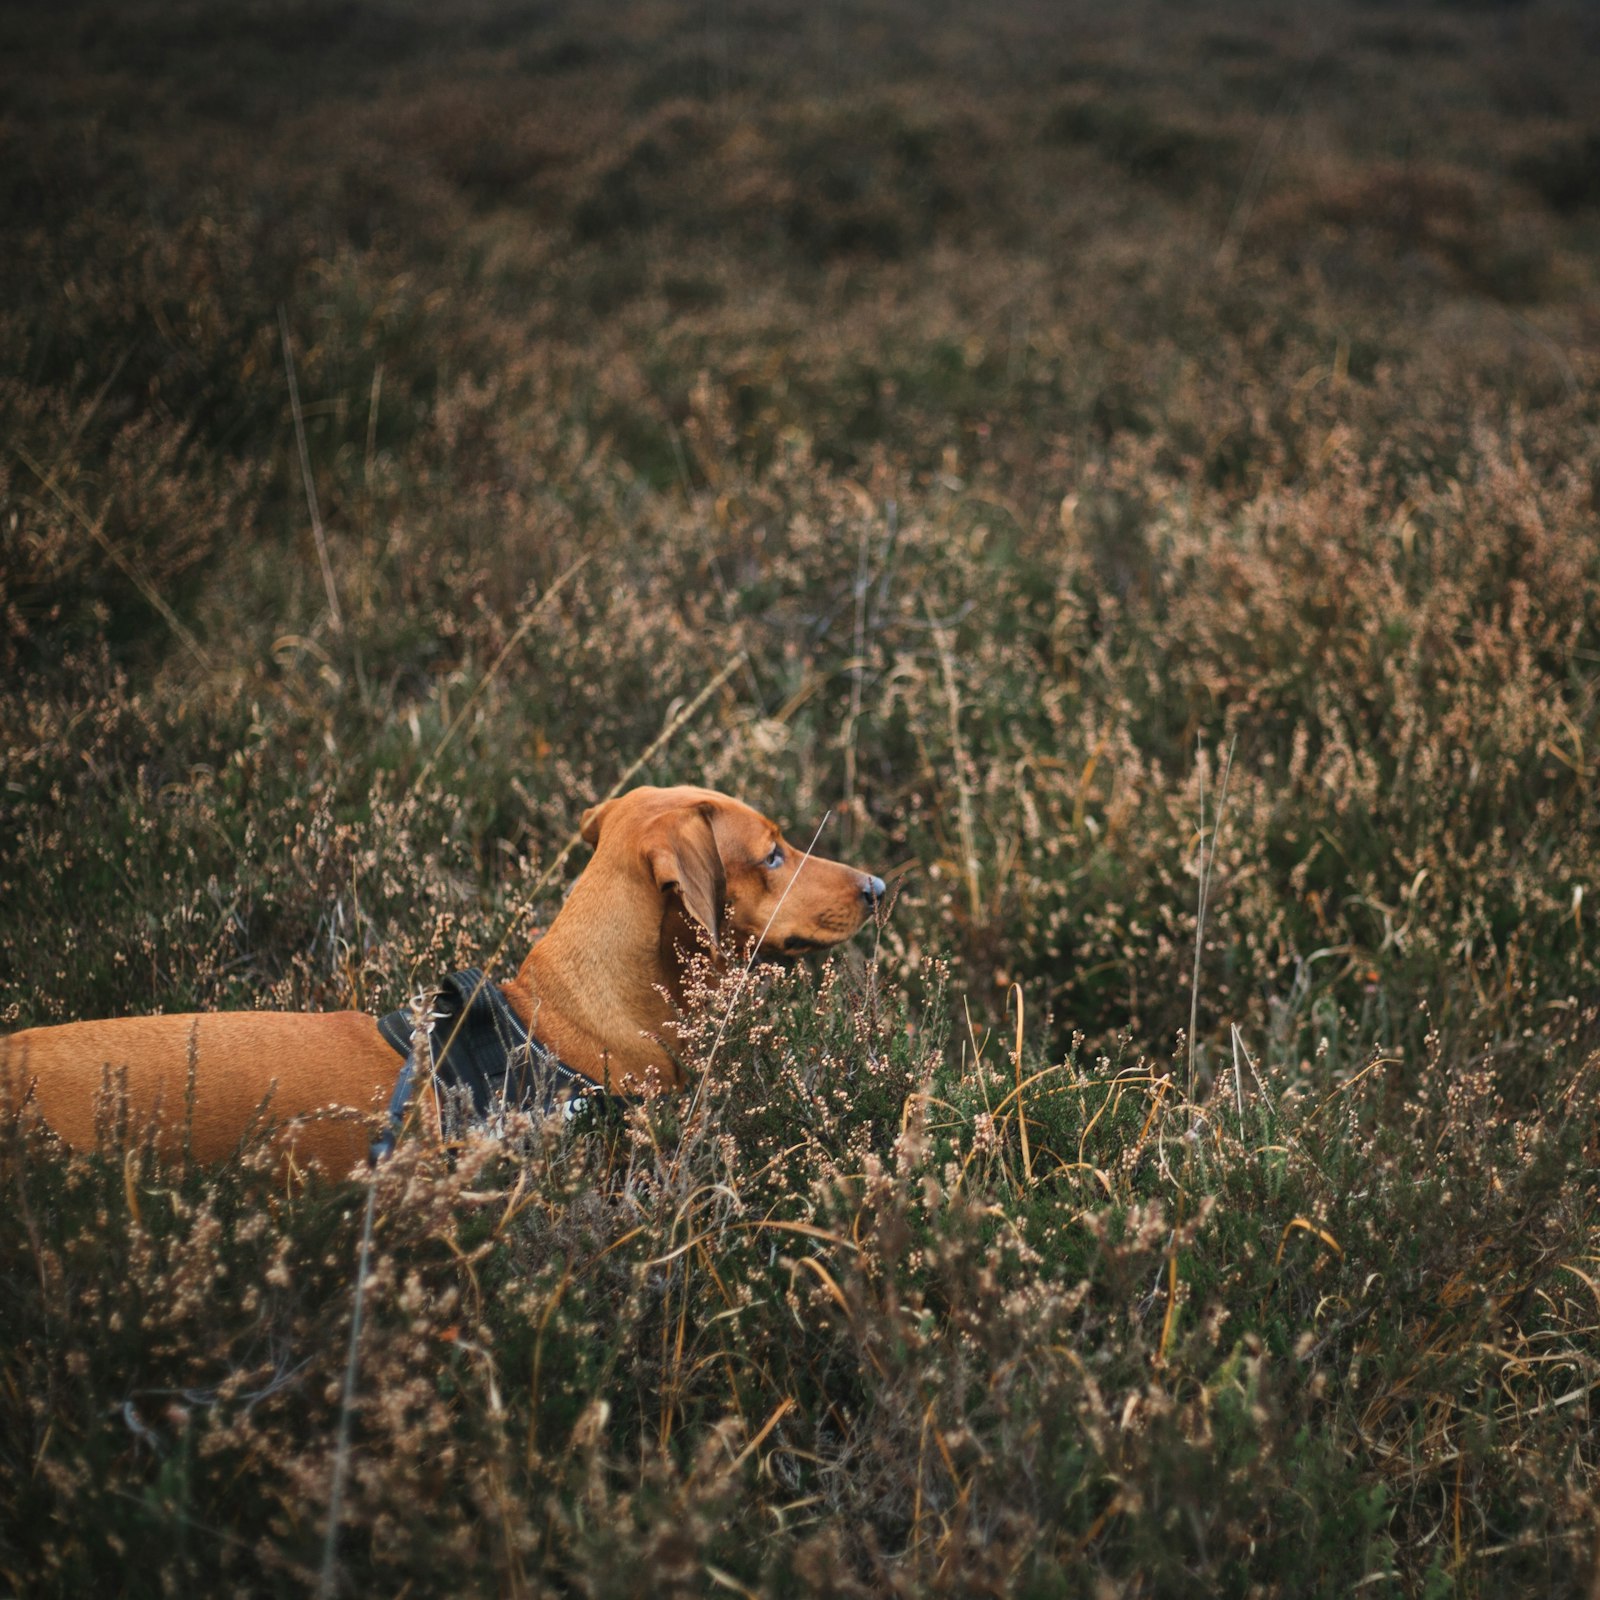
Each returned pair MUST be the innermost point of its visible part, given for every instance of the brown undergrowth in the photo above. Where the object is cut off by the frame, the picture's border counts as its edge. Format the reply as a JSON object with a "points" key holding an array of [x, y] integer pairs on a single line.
{"points": [[1015, 425]]}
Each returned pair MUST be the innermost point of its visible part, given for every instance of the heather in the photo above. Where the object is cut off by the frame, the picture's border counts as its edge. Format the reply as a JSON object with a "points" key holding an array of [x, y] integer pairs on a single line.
{"points": [[1134, 472]]}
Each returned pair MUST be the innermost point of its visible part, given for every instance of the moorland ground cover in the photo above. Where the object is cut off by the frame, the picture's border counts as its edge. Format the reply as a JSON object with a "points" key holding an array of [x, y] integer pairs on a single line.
{"points": [[1097, 452]]}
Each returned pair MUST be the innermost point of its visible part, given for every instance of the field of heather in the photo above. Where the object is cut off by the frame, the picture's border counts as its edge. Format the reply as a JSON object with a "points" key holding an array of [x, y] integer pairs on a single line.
{"points": [[1129, 475]]}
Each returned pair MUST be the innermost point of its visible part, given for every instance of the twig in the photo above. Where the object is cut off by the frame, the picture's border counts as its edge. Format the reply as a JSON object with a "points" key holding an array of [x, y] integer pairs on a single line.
{"points": [[1022, 1110], [1238, 1076], [488, 677], [1208, 859], [328, 1580], [334, 614], [891, 512], [125, 564], [857, 667], [656, 745], [969, 848], [1261, 160], [576, 837]]}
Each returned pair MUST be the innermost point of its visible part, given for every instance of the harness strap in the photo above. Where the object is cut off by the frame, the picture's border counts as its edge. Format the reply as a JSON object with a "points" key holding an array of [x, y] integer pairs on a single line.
{"points": [[479, 1044]]}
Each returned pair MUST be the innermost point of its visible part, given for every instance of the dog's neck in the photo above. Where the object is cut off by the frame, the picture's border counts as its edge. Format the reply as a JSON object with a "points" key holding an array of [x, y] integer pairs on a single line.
{"points": [[598, 989]]}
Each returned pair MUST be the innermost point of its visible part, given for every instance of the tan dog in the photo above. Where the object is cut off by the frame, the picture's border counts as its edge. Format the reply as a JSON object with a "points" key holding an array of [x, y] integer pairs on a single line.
{"points": [[602, 990]]}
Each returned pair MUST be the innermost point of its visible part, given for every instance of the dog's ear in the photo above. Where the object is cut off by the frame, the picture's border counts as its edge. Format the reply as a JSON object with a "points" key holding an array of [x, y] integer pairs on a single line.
{"points": [[682, 851], [589, 827]]}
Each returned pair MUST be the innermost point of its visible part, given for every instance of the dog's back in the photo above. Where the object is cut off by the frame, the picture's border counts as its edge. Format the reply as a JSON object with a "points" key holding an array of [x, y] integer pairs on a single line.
{"points": [[205, 1081]]}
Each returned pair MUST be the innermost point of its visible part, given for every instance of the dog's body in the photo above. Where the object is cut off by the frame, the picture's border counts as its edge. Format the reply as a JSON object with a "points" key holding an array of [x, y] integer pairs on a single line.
{"points": [[602, 991]]}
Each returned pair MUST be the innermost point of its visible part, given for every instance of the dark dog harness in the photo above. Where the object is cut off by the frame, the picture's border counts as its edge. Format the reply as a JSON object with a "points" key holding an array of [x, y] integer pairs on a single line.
{"points": [[480, 1046]]}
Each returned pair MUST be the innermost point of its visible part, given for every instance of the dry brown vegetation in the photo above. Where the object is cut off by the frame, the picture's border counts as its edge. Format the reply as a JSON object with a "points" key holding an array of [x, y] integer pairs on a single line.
{"points": [[1038, 403]]}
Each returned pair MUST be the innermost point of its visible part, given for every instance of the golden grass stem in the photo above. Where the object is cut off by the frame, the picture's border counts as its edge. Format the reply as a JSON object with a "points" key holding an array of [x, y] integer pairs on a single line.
{"points": [[1172, 1300], [1022, 1110], [783, 1408]]}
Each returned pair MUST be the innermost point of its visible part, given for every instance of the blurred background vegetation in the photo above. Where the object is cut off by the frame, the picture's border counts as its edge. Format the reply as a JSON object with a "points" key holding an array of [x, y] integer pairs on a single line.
{"points": [[1039, 404]]}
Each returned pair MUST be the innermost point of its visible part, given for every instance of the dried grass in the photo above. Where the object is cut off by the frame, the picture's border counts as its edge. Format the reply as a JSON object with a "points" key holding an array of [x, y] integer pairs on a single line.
{"points": [[963, 420]]}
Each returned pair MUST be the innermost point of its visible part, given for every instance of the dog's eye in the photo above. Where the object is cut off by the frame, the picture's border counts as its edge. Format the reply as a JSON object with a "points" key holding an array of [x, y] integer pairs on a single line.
{"points": [[774, 858]]}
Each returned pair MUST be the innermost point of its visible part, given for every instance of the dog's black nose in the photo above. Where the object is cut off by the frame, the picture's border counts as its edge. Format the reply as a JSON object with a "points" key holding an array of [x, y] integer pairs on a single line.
{"points": [[873, 890]]}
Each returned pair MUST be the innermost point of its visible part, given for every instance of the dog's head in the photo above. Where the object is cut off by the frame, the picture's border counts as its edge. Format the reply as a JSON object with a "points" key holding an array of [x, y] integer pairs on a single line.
{"points": [[729, 870]]}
